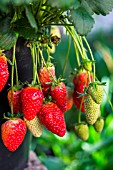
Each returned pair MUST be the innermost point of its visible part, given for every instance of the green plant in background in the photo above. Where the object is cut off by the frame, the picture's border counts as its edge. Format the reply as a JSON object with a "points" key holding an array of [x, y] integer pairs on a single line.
{"points": [[32, 20]]}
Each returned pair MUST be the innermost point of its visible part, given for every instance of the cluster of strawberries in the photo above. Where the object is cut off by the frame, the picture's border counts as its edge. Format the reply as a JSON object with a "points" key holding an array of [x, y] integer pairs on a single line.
{"points": [[45, 104], [37, 111], [87, 98]]}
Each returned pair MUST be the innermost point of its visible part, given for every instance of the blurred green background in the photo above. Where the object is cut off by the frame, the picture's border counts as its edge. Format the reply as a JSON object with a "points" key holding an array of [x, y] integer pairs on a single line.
{"points": [[69, 152]]}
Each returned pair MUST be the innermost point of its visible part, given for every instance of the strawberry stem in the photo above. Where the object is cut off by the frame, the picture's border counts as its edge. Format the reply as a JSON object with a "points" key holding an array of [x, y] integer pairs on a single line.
{"points": [[67, 55], [77, 54], [12, 77], [37, 59], [43, 61], [32, 47], [91, 54], [75, 37], [83, 49], [79, 116], [17, 82], [49, 58], [36, 62]]}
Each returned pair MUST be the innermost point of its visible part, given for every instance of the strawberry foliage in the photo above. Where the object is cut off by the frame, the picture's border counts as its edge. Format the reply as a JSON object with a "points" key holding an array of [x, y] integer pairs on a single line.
{"points": [[18, 15]]}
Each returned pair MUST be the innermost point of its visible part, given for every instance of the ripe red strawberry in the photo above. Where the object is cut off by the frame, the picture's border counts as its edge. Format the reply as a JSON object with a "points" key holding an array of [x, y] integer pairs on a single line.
{"points": [[53, 119], [80, 80], [58, 93], [13, 132], [4, 74], [31, 98], [14, 98], [46, 75], [69, 98]]}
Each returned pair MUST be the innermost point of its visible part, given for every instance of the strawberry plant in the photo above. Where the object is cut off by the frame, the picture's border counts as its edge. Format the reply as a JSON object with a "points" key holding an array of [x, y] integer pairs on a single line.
{"points": [[45, 98]]}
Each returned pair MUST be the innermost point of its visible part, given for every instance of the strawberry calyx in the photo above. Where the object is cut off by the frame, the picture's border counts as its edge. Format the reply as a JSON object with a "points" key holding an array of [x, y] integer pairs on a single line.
{"points": [[47, 100], [94, 84], [11, 116], [57, 82], [87, 64], [32, 84], [16, 87]]}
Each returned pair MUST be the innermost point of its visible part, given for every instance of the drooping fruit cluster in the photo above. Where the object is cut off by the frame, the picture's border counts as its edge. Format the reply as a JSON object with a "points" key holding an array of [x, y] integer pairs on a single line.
{"points": [[80, 80], [92, 102], [44, 101], [87, 98], [39, 105]]}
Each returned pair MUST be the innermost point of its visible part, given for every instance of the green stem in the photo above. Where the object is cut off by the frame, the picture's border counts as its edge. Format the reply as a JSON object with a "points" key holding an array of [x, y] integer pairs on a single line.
{"points": [[42, 58], [74, 39], [77, 54], [91, 54], [79, 116], [57, 24], [83, 49], [33, 60], [79, 39], [17, 82], [12, 77], [37, 57], [40, 12], [67, 56], [36, 63], [108, 100], [49, 58]]}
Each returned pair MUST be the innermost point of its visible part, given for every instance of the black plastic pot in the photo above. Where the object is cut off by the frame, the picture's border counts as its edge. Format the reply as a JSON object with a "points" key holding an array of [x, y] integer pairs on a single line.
{"points": [[16, 160]]}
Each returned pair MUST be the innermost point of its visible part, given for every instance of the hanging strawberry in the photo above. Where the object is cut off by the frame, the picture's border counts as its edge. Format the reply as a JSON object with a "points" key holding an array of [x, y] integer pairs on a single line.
{"points": [[14, 99], [46, 74], [4, 73], [53, 119], [34, 126], [13, 132], [58, 93], [80, 80], [31, 98]]}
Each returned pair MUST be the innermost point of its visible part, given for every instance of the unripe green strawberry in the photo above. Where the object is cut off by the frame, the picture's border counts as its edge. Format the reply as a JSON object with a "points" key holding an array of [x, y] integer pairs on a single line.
{"points": [[87, 64], [99, 124], [92, 109], [96, 92], [81, 130], [34, 126]]}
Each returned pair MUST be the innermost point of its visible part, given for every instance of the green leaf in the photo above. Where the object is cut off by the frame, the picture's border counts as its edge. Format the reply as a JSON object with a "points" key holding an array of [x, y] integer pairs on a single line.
{"points": [[82, 20], [7, 40], [7, 36], [101, 6], [30, 17], [21, 29], [65, 4], [85, 5]]}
